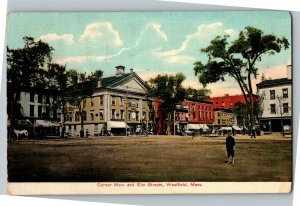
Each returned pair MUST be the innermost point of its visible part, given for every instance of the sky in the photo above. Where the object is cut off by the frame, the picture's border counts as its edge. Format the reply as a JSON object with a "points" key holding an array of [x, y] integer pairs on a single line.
{"points": [[151, 43]]}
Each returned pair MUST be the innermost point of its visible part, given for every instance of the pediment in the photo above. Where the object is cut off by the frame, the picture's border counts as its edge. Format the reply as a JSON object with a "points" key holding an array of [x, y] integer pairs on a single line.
{"points": [[133, 84]]}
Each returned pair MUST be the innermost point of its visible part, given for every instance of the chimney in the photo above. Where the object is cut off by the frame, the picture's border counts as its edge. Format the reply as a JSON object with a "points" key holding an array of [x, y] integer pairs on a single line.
{"points": [[99, 83], [120, 70], [289, 71], [131, 70]]}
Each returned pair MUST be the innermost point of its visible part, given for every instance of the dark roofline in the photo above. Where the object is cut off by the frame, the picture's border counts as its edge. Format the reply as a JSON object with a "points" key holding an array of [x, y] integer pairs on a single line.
{"points": [[199, 101], [223, 109], [274, 82]]}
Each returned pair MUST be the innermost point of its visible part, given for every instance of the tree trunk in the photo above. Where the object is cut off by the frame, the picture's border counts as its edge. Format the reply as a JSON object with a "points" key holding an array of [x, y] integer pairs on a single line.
{"points": [[252, 119]]}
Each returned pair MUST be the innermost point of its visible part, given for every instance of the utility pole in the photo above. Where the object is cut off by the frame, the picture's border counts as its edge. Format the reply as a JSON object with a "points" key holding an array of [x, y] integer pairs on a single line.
{"points": [[126, 110], [280, 109]]}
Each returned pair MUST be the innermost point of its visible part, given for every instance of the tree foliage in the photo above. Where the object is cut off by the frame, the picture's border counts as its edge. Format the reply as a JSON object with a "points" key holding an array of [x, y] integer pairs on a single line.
{"points": [[238, 59], [80, 87], [26, 68]]}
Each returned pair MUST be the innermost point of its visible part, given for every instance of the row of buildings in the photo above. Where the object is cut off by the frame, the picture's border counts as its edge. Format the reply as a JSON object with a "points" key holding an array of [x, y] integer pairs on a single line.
{"points": [[119, 105]]}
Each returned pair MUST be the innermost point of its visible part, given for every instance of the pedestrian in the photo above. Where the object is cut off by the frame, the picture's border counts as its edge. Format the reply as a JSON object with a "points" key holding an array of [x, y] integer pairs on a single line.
{"points": [[87, 133], [230, 147], [253, 131], [81, 133]]}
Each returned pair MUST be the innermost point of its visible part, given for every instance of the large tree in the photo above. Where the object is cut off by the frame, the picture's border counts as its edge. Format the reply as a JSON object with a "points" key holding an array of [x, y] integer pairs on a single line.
{"points": [[80, 87], [57, 83], [169, 89], [26, 68], [238, 60]]}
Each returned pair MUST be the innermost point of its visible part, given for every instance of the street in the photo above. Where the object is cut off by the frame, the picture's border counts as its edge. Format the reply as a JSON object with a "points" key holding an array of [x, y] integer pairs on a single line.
{"points": [[149, 159]]}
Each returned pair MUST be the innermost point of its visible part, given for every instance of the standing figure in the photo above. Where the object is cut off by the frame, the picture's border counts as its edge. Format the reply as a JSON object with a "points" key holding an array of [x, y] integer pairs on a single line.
{"points": [[230, 147]]}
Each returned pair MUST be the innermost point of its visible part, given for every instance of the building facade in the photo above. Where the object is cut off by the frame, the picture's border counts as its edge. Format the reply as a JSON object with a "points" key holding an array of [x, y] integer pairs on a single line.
{"points": [[224, 118], [188, 114], [228, 101], [35, 112], [118, 101], [275, 98]]}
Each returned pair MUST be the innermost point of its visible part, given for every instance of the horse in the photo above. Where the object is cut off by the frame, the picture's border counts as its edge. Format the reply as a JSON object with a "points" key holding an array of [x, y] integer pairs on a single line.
{"points": [[21, 133]]}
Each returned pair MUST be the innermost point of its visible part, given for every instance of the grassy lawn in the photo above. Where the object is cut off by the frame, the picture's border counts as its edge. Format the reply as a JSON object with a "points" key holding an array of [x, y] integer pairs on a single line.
{"points": [[148, 159]]}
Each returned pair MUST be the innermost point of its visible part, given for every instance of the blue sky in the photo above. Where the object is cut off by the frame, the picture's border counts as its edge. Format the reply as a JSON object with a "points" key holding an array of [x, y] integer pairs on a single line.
{"points": [[149, 42]]}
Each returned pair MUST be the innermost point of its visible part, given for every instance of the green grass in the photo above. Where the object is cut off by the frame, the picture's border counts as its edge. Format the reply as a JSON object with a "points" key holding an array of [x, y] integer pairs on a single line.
{"points": [[152, 159]]}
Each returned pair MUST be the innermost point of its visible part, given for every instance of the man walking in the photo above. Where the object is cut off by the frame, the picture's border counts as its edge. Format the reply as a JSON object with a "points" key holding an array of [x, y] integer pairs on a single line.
{"points": [[230, 147]]}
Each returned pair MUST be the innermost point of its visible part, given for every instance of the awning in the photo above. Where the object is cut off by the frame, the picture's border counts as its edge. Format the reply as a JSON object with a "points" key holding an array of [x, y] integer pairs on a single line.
{"points": [[193, 126], [197, 126], [46, 123], [236, 128], [226, 128], [113, 124], [204, 126]]}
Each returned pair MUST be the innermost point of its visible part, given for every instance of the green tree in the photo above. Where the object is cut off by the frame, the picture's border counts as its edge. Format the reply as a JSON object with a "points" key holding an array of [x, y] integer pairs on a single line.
{"points": [[238, 60], [80, 87], [197, 95], [26, 68], [169, 89], [57, 82]]}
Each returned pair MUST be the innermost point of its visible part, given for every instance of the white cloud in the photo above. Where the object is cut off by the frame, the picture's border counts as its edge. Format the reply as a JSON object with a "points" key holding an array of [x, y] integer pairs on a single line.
{"points": [[97, 30], [155, 27], [82, 59], [170, 55], [56, 37]]}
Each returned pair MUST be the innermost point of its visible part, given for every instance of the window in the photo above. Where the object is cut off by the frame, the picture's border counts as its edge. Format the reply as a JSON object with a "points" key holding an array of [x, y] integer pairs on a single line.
{"points": [[272, 94], [129, 113], [101, 100], [31, 97], [47, 111], [113, 114], [194, 115], [84, 103], [40, 98], [137, 116], [69, 117], [285, 93], [285, 107], [32, 110], [54, 113], [92, 115], [219, 121], [92, 101], [47, 100], [101, 114], [84, 115], [122, 114], [77, 116], [113, 100], [40, 111], [122, 101], [272, 109]]}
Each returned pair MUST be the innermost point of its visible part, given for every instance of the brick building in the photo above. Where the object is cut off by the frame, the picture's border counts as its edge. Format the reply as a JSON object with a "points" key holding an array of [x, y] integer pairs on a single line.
{"points": [[228, 101], [188, 114]]}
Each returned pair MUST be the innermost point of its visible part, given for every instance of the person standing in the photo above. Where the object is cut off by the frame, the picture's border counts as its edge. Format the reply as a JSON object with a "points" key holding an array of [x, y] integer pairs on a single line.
{"points": [[230, 147]]}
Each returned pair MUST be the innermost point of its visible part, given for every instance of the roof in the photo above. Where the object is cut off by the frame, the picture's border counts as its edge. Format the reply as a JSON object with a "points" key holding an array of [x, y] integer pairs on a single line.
{"points": [[274, 82], [113, 79]]}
